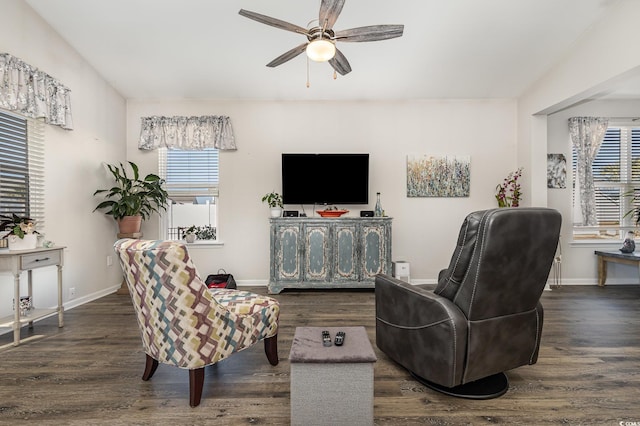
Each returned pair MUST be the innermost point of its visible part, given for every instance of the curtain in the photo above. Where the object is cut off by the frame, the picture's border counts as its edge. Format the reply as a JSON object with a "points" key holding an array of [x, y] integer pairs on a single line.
{"points": [[586, 136], [194, 133], [31, 92]]}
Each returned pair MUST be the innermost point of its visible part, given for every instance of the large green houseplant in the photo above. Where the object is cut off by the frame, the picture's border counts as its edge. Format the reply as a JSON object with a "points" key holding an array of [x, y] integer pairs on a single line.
{"points": [[132, 199]]}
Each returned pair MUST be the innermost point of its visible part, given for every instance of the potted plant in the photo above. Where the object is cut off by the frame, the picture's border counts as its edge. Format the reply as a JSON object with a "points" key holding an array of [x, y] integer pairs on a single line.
{"points": [[274, 200], [508, 193], [20, 232], [190, 234], [132, 199], [206, 232]]}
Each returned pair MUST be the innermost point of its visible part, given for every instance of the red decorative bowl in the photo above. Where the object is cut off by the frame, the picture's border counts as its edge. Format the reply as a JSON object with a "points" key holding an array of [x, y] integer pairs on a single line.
{"points": [[331, 213]]}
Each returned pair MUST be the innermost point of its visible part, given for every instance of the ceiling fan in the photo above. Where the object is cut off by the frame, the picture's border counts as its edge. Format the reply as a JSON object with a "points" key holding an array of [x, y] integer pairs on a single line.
{"points": [[321, 39]]}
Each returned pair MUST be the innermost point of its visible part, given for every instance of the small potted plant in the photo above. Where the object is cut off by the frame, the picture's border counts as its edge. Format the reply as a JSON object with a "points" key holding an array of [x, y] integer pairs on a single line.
{"points": [[22, 234], [206, 232], [274, 200], [508, 193], [190, 234]]}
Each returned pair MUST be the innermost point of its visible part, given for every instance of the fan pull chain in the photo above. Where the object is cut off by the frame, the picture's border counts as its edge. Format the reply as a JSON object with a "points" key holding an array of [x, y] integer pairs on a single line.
{"points": [[308, 84], [335, 75]]}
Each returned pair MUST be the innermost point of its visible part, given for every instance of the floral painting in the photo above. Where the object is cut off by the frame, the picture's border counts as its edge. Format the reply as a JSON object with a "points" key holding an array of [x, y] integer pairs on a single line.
{"points": [[438, 176], [556, 171]]}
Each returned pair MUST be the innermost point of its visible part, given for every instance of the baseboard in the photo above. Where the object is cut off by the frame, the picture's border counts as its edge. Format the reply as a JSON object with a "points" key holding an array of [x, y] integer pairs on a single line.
{"points": [[70, 304], [419, 281], [252, 283]]}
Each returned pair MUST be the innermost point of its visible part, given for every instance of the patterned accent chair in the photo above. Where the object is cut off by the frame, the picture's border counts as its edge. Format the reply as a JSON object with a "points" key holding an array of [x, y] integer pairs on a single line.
{"points": [[182, 322]]}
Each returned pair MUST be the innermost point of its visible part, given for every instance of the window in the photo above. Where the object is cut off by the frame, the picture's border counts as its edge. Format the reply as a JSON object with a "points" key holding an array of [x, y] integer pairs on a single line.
{"points": [[192, 183], [616, 175], [22, 167]]}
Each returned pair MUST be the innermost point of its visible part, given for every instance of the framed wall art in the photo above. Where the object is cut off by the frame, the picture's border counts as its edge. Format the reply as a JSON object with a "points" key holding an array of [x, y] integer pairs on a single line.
{"points": [[438, 176], [556, 171]]}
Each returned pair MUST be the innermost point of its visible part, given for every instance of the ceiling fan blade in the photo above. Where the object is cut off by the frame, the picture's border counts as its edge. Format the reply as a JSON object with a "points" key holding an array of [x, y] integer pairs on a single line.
{"points": [[264, 19], [340, 63], [370, 33], [329, 12], [287, 56]]}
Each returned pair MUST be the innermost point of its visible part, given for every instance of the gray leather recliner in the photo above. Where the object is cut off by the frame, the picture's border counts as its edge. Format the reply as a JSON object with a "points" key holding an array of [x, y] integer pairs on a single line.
{"points": [[484, 317]]}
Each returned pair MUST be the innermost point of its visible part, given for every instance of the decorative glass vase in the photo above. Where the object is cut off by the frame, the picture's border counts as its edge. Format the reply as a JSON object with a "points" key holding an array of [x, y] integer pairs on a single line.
{"points": [[378, 212]]}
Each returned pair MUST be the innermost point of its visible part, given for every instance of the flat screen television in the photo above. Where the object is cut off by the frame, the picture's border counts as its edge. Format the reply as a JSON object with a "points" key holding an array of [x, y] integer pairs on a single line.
{"points": [[325, 178]]}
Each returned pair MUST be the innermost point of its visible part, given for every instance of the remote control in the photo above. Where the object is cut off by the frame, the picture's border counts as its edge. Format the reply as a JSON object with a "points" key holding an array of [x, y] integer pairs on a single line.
{"points": [[339, 338], [326, 338]]}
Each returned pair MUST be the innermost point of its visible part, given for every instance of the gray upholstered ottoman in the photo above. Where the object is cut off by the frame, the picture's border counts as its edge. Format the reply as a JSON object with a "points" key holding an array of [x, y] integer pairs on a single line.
{"points": [[331, 385]]}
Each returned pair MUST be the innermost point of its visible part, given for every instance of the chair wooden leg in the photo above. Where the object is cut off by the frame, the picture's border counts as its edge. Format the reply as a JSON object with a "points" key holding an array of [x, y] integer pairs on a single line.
{"points": [[271, 349], [196, 380], [149, 368]]}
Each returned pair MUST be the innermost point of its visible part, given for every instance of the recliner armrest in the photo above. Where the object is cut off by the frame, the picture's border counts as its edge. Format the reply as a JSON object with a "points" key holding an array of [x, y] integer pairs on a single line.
{"points": [[411, 319], [406, 305]]}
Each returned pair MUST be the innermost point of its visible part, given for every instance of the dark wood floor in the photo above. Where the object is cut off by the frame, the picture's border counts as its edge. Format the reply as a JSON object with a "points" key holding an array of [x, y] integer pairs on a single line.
{"points": [[89, 371]]}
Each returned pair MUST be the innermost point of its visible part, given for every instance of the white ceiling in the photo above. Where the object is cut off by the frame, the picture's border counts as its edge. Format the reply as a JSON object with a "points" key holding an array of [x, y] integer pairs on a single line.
{"points": [[202, 49]]}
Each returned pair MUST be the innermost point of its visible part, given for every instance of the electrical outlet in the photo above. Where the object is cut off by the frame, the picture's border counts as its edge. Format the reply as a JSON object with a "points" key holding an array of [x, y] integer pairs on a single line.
{"points": [[109, 260], [72, 292]]}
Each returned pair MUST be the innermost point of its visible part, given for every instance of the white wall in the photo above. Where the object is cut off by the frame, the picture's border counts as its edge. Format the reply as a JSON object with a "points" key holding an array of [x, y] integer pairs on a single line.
{"points": [[596, 62], [424, 229], [73, 167]]}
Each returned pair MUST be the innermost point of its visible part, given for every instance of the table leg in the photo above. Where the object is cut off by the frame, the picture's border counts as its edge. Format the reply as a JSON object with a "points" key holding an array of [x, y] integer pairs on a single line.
{"points": [[16, 309], [30, 292], [60, 307], [602, 271]]}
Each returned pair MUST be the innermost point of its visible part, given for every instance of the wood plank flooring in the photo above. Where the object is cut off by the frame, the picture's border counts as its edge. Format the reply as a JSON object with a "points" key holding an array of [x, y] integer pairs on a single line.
{"points": [[89, 372]]}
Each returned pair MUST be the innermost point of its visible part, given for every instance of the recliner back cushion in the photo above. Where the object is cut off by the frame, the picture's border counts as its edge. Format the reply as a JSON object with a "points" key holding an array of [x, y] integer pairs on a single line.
{"points": [[502, 261], [451, 279]]}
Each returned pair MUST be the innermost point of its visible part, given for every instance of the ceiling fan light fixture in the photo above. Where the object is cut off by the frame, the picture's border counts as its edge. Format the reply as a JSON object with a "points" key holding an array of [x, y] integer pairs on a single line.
{"points": [[321, 50]]}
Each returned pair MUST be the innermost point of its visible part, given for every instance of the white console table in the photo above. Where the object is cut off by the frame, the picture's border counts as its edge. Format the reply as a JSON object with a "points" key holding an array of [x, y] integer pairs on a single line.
{"points": [[18, 261]]}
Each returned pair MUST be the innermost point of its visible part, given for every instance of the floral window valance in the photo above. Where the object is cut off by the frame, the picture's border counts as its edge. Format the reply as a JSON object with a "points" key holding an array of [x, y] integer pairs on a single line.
{"points": [[33, 93], [210, 131]]}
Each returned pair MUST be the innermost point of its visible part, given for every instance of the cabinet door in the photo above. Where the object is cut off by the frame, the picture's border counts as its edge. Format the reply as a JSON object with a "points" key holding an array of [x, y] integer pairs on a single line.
{"points": [[286, 253], [373, 251], [317, 250], [345, 255]]}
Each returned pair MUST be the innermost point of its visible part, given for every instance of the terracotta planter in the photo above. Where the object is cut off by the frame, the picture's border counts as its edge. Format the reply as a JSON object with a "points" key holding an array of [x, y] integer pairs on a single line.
{"points": [[130, 224]]}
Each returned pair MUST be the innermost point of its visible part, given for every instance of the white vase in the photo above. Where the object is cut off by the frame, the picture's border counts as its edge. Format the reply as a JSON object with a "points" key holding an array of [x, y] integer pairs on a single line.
{"points": [[27, 243], [190, 238], [276, 211]]}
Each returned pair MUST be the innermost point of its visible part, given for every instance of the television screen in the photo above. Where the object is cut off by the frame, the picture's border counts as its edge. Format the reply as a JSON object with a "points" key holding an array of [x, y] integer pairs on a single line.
{"points": [[325, 178]]}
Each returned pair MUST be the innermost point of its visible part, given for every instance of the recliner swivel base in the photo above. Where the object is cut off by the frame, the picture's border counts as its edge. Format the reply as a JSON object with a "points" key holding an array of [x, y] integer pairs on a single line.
{"points": [[486, 388]]}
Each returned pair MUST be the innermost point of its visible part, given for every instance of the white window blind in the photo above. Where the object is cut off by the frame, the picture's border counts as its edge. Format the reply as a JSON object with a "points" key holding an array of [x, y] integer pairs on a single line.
{"points": [[608, 177], [189, 173], [616, 173], [22, 167], [192, 178]]}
